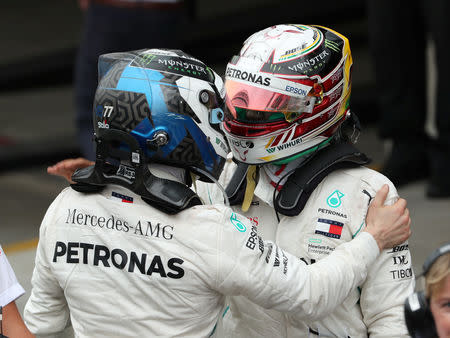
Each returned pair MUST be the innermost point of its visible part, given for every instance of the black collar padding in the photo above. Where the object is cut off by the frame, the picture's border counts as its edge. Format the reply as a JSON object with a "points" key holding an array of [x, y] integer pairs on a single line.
{"points": [[299, 186]]}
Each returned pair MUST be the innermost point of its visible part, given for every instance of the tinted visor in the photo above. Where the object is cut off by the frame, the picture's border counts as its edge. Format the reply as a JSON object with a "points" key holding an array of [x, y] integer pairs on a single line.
{"points": [[251, 104], [258, 116]]}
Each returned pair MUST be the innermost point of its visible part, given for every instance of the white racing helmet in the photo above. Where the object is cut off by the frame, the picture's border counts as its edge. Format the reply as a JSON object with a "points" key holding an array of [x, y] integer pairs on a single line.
{"points": [[287, 92]]}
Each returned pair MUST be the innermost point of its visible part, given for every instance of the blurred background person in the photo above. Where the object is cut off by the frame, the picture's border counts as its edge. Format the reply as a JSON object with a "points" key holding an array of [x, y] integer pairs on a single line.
{"points": [[398, 33], [10, 290], [427, 312], [116, 26]]}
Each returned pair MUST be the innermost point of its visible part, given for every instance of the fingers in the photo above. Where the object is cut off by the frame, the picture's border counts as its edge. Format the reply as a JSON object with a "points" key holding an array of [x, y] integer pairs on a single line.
{"points": [[408, 234], [76, 163], [406, 213], [410, 231], [400, 210], [55, 169], [51, 170], [68, 166], [404, 226], [381, 195], [404, 235], [389, 224], [400, 204]]}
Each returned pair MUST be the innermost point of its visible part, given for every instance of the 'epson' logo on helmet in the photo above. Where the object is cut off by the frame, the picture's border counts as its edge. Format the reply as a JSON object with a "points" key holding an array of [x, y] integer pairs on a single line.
{"points": [[247, 76]]}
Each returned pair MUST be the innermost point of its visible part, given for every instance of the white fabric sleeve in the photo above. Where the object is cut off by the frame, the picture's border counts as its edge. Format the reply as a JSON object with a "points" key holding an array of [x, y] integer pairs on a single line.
{"points": [[10, 289], [46, 311], [389, 282], [275, 279]]}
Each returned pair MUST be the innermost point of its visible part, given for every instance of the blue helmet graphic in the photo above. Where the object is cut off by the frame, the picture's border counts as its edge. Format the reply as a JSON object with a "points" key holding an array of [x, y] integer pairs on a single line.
{"points": [[169, 102]]}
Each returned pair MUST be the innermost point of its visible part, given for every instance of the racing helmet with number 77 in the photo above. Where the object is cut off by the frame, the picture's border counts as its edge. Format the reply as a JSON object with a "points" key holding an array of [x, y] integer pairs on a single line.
{"points": [[287, 92], [156, 107], [170, 102]]}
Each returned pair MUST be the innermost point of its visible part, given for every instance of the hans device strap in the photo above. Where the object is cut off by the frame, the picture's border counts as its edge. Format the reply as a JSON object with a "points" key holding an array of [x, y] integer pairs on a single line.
{"points": [[300, 185], [168, 196], [418, 317], [235, 189], [296, 191]]}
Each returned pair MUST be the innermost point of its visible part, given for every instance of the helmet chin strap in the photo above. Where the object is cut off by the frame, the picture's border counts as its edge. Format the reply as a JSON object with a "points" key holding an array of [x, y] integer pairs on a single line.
{"points": [[250, 188]]}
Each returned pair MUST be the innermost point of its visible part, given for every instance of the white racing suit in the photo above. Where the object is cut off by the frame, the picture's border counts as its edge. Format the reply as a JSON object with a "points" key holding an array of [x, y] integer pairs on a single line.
{"points": [[124, 268], [334, 214], [10, 289]]}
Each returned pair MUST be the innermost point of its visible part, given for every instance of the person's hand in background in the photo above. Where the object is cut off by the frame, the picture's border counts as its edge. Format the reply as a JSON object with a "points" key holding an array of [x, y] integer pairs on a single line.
{"points": [[66, 168]]}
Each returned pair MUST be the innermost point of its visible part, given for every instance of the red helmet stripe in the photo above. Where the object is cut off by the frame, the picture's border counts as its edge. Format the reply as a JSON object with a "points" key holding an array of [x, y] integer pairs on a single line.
{"points": [[277, 140]]}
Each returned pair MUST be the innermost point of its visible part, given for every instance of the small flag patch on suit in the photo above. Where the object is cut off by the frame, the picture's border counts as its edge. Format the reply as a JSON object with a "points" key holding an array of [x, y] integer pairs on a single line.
{"points": [[329, 228], [123, 198]]}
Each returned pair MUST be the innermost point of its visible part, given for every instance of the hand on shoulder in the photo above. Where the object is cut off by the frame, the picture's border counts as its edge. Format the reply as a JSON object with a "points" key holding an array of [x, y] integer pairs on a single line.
{"points": [[390, 225]]}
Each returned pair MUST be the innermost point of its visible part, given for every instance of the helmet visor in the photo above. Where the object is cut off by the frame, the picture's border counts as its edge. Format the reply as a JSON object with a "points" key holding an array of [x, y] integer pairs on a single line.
{"points": [[250, 104], [260, 116]]}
